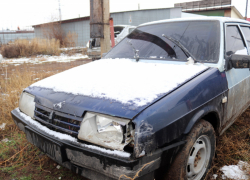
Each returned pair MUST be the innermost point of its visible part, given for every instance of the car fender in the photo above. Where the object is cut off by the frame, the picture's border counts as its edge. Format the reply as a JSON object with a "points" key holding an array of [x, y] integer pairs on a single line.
{"points": [[199, 115]]}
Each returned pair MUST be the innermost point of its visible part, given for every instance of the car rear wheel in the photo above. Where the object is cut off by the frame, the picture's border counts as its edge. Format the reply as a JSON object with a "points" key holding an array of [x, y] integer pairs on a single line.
{"points": [[195, 158]]}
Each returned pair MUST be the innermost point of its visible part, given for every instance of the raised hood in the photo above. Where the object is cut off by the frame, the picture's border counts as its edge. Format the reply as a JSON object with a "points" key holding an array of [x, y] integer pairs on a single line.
{"points": [[117, 87]]}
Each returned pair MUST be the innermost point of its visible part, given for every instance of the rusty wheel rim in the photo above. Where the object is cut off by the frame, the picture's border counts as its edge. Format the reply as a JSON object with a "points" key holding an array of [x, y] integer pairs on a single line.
{"points": [[199, 158]]}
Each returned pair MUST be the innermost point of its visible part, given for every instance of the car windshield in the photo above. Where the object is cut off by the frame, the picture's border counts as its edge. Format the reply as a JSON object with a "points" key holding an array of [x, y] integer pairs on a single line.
{"points": [[200, 38]]}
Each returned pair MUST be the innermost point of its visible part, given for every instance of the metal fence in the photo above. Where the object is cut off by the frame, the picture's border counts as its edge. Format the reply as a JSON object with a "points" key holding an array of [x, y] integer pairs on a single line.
{"points": [[203, 4], [10, 36]]}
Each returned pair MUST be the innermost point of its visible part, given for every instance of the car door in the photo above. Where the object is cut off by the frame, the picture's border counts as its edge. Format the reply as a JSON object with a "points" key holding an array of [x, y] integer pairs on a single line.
{"points": [[238, 79]]}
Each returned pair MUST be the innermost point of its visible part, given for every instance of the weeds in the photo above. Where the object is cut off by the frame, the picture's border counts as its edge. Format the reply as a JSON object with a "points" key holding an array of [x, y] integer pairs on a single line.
{"points": [[232, 146], [26, 48], [54, 30], [19, 158]]}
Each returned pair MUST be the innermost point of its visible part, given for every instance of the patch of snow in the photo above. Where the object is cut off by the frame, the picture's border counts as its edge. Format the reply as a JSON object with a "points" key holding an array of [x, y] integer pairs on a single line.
{"points": [[142, 153], [190, 61], [59, 105], [71, 48], [215, 176], [242, 51], [45, 58], [5, 94], [1, 58], [5, 140], [2, 127], [122, 80], [70, 138], [236, 171]]}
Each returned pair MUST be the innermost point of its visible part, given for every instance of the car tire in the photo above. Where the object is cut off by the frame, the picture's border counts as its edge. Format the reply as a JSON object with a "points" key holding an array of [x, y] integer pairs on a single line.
{"points": [[195, 158]]}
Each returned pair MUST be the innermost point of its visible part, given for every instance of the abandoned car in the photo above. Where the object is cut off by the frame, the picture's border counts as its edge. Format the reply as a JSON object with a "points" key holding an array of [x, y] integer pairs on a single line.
{"points": [[151, 108]]}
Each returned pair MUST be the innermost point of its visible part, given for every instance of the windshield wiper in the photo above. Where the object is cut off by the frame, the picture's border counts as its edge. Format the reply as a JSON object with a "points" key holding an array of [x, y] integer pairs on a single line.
{"points": [[188, 54], [137, 57]]}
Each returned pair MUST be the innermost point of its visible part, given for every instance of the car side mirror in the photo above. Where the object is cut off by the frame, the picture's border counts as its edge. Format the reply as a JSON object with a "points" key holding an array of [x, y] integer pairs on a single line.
{"points": [[238, 61]]}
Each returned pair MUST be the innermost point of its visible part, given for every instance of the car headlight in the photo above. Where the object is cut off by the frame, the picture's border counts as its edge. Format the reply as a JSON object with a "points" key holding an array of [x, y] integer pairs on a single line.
{"points": [[27, 104], [106, 131]]}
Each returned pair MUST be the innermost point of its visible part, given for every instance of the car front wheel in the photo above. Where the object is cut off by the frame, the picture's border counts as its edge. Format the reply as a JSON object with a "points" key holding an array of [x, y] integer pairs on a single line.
{"points": [[195, 159]]}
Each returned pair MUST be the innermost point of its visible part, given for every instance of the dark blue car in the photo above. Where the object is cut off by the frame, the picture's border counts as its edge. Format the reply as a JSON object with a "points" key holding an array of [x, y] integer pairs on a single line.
{"points": [[151, 108]]}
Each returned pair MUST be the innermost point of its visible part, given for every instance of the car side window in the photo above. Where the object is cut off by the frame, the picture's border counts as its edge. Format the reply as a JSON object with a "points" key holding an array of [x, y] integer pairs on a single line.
{"points": [[234, 41], [130, 30], [246, 32]]}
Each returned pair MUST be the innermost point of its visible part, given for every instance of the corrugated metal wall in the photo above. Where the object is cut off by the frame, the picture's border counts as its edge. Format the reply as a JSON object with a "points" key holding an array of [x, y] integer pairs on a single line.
{"points": [[10, 37], [82, 28], [136, 18]]}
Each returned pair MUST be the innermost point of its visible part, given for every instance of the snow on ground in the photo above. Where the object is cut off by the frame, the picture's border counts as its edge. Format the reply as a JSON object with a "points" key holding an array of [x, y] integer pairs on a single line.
{"points": [[238, 172], [72, 48], [122, 80], [68, 137], [1, 58], [2, 127], [215, 176], [44, 58], [5, 140]]}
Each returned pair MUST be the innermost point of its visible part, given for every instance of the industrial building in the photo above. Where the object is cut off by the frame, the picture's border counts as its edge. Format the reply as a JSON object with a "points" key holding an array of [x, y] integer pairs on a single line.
{"points": [[7, 36], [222, 8], [81, 26]]}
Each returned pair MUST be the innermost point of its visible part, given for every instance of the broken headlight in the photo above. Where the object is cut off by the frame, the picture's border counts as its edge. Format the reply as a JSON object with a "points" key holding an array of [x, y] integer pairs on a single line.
{"points": [[27, 104], [106, 131]]}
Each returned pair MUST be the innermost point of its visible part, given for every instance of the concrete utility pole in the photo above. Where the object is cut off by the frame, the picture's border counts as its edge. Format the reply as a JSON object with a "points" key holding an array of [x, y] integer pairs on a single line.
{"points": [[60, 13], [105, 42], [99, 23]]}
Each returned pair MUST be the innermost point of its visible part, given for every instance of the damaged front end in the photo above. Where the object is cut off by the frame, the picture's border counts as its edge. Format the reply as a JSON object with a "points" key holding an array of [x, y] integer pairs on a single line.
{"points": [[106, 131]]}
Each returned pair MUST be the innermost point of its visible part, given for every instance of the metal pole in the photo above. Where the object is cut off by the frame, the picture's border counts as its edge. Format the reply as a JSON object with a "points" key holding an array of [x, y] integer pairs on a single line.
{"points": [[60, 14], [105, 42], [246, 10]]}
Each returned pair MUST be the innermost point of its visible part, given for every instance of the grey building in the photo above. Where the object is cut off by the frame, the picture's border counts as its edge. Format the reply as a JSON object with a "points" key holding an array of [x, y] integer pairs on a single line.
{"points": [[81, 27], [8, 36]]}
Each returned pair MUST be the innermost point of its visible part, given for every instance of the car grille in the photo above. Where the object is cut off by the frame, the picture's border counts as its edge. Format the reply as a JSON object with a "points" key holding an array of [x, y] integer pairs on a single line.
{"points": [[58, 121]]}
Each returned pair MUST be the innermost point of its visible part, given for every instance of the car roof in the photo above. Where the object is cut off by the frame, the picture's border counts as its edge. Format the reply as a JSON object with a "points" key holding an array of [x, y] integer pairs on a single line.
{"points": [[125, 26], [205, 18]]}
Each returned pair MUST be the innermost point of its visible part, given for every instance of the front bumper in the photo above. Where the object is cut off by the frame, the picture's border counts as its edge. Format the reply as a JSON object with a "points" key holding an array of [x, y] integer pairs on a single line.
{"points": [[90, 163]]}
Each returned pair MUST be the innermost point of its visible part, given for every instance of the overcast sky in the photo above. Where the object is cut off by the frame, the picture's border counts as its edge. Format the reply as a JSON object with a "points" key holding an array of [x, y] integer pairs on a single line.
{"points": [[24, 13]]}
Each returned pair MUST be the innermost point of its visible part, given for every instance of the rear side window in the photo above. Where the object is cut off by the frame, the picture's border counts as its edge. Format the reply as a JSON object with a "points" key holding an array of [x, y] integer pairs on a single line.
{"points": [[246, 32], [234, 41], [130, 30]]}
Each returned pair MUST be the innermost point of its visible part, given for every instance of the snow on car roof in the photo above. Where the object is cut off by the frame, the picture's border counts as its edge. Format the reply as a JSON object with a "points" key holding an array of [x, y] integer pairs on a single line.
{"points": [[205, 18], [124, 26]]}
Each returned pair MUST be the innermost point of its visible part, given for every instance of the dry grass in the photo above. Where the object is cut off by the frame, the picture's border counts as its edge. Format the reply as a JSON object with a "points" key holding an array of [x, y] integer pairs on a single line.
{"points": [[70, 39], [233, 146], [26, 48], [18, 158]]}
